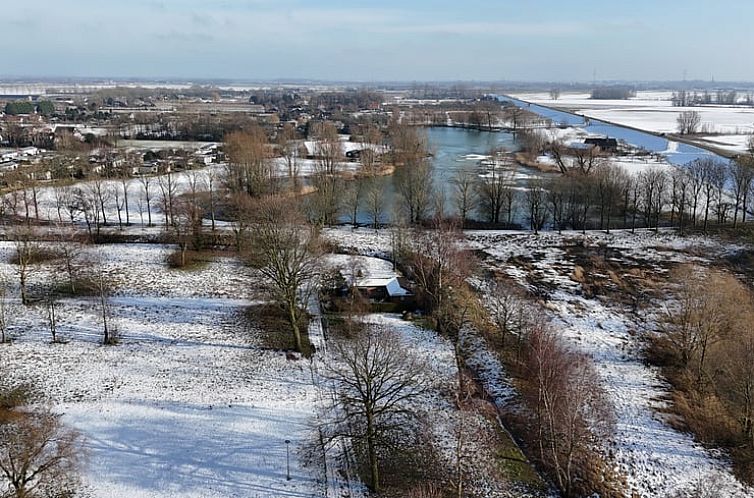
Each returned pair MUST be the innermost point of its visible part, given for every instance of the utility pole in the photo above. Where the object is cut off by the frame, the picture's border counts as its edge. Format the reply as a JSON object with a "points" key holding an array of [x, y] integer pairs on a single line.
{"points": [[287, 460]]}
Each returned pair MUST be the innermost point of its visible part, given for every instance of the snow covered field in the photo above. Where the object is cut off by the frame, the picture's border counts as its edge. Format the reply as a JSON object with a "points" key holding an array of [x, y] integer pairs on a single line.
{"points": [[187, 405], [655, 458], [653, 111]]}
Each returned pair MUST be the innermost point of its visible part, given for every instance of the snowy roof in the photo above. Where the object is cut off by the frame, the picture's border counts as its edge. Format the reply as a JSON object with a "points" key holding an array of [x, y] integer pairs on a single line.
{"points": [[392, 285], [370, 272]]}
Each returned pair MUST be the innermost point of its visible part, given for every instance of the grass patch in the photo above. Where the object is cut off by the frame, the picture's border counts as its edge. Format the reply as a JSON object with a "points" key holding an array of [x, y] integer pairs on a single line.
{"points": [[513, 465], [81, 286], [191, 260], [275, 331], [37, 254]]}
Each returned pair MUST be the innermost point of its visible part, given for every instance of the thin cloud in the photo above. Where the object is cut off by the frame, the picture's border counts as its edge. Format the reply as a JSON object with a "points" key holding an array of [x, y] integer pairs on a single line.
{"points": [[490, 28]]}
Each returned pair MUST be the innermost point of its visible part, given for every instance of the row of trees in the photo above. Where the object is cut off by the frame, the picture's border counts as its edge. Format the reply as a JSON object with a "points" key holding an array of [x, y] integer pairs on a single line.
{"points": [[44, 107], [684, 98], [182, 198]]}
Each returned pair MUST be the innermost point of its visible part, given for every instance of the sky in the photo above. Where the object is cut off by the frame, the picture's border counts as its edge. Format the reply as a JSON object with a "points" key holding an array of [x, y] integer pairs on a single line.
{"points": [[388, 40]]}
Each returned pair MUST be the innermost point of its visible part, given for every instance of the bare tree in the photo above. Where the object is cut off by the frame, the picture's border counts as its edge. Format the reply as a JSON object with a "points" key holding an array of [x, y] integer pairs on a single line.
{"points": [[494, 187], [71, 204], [375, 201], [557, 194], [69, 249], [328, 149], [50, 305], [376, 381], [413, 175], [125, 184], [508, 310], [27, 249], [719, 179], [372, 150], [326, 203], [212, 186], [90, 206], [6, 312], [742, 174], [698, 319], [681, 186], [286, 253], [737, 382], [251, 168], [608, 182], [353, 198], [438, 263], [689, 122], [39, 457], [169, 192], [60, 195], [186, 225], [241, 208], [103, 287], [587, 160], [714, 180], [120, 200], [413, 185], [572, 417], [147, 182], [286, 141], [516, 117], [653, 183], [536, 200], [99, 190], [713, 485], [466, 197]]}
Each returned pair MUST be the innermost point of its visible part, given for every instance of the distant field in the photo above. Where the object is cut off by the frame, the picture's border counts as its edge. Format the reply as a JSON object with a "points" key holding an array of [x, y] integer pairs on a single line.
{"points": [[728, 126]]}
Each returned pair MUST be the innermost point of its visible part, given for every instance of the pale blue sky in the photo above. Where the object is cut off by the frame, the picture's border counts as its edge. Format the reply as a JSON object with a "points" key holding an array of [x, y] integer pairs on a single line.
{"points": [[553, 40]]}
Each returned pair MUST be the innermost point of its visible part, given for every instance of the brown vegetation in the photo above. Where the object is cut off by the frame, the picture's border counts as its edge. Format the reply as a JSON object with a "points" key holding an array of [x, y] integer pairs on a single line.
{"points": [[706, 348]]}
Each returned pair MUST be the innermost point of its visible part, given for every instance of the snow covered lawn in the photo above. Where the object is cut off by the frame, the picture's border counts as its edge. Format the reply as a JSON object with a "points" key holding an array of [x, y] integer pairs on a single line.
{"points": [[188, 404]]}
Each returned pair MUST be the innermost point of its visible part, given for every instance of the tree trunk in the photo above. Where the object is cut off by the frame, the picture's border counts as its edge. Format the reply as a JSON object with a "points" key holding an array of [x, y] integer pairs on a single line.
{"points": [[24, 297], [125, 202], [293, 319], [372, 450]]}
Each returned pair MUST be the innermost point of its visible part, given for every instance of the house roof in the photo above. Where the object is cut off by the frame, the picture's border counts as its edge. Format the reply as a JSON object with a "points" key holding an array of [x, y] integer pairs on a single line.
{"points": [[372, 272], [392, 285]]}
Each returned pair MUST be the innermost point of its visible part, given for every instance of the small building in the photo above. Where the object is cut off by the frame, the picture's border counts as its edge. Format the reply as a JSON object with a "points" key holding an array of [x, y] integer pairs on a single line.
{"points": [[145, 169], [373, 278], [383, 289], [606, 144]]}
